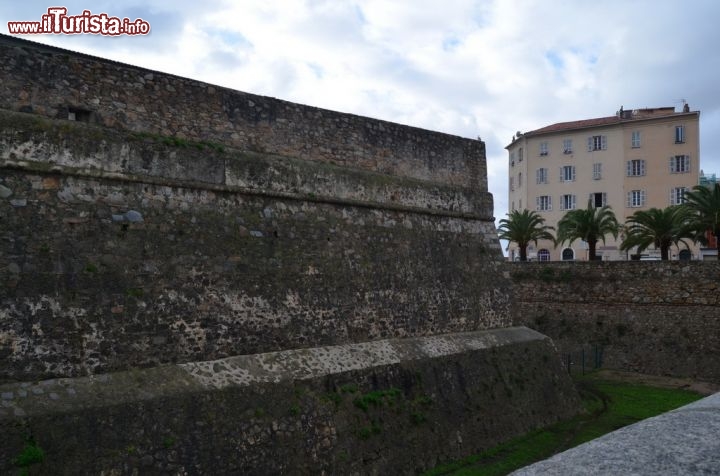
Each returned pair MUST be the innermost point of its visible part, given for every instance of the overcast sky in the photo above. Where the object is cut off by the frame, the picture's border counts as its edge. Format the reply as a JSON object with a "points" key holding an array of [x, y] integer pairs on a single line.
{"points": [[483, 68]]}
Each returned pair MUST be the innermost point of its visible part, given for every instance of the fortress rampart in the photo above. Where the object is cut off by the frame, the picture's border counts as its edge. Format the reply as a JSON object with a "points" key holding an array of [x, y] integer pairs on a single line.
{"points": [[196, 280]]}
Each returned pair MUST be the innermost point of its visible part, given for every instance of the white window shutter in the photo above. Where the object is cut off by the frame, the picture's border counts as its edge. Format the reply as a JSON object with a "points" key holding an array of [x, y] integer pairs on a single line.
{"points": [[687, 163], [573, 173], [672, 165], [642, 198], [642, 167], [537, 203], [604, 199], [561, 174], [629, 199], [603, 141], [574, 204], [629, 168], [550, 202], [590, 144]]}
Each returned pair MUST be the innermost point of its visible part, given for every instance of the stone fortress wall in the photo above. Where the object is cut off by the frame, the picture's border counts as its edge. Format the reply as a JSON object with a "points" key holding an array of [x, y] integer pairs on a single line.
{"points": [[131, 252], [240, 223], [52, 82], [660, 318], [200, 280]]}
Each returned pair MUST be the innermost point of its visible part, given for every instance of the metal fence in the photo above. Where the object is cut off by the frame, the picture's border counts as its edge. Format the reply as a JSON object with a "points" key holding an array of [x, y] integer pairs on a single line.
{"points": [[584, 360]]}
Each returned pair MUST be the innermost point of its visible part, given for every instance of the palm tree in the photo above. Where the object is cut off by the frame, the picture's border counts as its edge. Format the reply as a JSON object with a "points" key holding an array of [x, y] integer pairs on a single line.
{"points": [[704, 206], [522, 227], [661, 228], [590, 225]]}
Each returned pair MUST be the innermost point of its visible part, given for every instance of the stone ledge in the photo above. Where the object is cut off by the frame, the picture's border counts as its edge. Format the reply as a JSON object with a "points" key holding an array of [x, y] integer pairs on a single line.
{"points": [[67, 394], [387, 407]]}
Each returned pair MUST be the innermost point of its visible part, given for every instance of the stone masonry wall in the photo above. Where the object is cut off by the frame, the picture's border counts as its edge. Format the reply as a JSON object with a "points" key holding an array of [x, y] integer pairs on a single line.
{"points": [[398, 406], [53, 82], [654, 317], [195, 280], [122, 250]]}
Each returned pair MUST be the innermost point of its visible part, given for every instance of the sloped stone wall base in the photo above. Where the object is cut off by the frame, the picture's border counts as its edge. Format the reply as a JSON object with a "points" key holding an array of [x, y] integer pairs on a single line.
{"points": [[385, 407]]}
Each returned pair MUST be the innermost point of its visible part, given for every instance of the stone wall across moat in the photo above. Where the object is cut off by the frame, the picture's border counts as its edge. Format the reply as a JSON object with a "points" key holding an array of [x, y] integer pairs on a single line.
{"points": [[654, 317]]}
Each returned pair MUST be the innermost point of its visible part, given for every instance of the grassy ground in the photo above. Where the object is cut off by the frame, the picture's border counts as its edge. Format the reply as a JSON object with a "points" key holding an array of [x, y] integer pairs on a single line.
{"points": [[610, 402]]}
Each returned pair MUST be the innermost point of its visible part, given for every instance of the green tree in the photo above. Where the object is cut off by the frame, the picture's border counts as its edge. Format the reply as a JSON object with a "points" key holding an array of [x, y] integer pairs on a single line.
{"points": [[590, 224], [703, 204], [523, 227], [659, 227]]}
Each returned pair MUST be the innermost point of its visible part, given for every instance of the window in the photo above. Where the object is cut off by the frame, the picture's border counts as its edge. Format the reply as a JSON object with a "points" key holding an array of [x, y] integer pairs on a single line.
{"points": [[541, 176], [680, 164], [567, 173], [567, 202], [80, 115], [636, 198], [598, 199], [543, 255], [544, 203], [567, 146], [543, 148], [597, 143], [512, 184], [513, 206], [597, 171], [677, 195], [679, 134], [568, 254], [520, 154], [635, 141], [635, 168], [519, 179]]}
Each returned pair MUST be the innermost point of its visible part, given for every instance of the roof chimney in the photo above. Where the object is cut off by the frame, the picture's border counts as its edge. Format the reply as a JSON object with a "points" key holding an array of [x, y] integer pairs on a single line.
{"points": [[686, 107]]}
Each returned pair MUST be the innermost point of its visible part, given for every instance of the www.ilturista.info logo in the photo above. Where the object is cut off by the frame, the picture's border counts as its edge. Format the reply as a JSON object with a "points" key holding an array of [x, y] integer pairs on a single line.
{"points": [[58, 22]]}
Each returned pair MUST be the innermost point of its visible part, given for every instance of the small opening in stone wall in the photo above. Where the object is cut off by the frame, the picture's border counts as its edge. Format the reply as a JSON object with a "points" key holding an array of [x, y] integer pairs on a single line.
{"points": [[79, 115]]}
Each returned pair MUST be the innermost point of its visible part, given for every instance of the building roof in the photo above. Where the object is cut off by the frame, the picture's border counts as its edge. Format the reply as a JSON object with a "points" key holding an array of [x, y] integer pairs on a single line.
{"points": [[620, 117], [564, 126]]}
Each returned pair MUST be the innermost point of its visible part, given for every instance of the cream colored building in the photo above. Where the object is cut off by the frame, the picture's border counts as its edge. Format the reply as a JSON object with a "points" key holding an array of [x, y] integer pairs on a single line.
{"points": [[635, 160]]}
